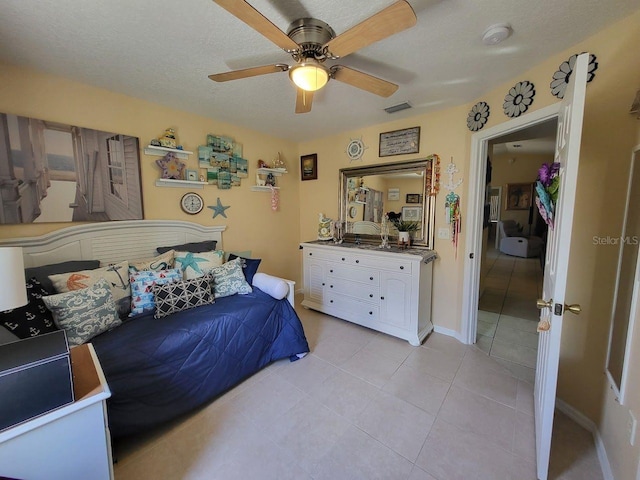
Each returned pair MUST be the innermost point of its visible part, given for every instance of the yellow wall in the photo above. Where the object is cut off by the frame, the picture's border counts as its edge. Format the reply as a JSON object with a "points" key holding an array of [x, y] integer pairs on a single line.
{"points": [[609, 134], [251, 225]]}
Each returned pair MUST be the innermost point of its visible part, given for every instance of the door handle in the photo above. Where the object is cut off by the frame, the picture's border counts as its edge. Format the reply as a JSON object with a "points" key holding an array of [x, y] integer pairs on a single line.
{"points": [[574, 308], [540, 304]]}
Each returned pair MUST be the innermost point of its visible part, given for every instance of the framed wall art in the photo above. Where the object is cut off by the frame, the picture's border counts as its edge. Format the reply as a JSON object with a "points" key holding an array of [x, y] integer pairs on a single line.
{"points": [[413, 198], [55, 172], [309, 167], [399, 142], [412, 214], [519, 196]]}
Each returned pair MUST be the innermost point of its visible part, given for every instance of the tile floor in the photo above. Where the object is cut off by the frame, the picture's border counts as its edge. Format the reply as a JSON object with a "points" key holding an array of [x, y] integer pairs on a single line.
{"points": [[507, 313], [363, 405]]}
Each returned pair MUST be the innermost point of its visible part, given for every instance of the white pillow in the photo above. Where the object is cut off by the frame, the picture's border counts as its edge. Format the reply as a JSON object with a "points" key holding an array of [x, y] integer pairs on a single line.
{"points": [[274, 286]]}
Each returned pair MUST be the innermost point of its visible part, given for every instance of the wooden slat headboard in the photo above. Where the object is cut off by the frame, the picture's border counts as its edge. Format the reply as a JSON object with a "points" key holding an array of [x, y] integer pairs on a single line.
{"points": [[111, 241]]}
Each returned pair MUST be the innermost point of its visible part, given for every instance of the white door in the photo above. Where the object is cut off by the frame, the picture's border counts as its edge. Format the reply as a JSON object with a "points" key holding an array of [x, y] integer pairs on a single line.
{"points": [[557, 259]]}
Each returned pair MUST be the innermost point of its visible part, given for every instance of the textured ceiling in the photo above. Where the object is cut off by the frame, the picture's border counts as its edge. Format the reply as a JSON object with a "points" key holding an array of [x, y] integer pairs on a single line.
{"points": [[162, 51]]}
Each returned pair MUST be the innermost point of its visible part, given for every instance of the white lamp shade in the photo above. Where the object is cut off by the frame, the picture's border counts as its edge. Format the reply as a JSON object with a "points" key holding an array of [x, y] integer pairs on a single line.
{"points": [[13, 292], [309, 76]]}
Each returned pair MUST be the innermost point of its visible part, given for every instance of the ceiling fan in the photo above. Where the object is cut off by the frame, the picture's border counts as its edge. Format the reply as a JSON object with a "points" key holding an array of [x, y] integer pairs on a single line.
{"points": [[311, 42]]}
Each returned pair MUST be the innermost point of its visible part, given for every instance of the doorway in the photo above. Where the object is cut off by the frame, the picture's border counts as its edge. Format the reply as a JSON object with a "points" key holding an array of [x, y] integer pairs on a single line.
{"points": [[513, 243], [528, 127]]}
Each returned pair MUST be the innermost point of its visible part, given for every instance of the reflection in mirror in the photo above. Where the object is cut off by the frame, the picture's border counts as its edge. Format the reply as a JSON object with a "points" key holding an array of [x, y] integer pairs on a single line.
{"points": [[625, 303], [398, 189]]}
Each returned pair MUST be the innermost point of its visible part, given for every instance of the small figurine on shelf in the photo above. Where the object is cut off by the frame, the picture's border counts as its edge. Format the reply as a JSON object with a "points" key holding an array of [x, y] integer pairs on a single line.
{"points": [[262, 164], [270, 180], [278, 163], [168, 139], [260, 182], [171, 166]]}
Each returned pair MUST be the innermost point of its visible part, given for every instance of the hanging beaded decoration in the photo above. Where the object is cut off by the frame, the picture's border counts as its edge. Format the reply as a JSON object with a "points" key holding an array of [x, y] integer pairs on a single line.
{"points": [[452, 205], [275, 198], [433, 175]]}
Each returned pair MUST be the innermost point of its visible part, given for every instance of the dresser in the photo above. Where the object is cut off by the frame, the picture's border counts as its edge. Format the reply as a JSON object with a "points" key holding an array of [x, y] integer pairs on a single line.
{"points": [[388, 291], [71, 442]]}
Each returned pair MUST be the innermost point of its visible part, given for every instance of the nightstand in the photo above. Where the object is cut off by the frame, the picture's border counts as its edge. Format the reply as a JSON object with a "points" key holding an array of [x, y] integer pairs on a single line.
{"points": [[71, 442]]}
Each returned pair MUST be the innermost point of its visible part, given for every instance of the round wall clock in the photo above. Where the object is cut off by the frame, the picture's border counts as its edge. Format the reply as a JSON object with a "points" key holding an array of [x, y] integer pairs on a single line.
{"points": [[355, 149], [191, 203]]}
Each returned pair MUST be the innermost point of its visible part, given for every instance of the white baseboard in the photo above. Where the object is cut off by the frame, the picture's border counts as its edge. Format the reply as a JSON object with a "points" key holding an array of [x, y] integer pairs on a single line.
{"points": [[586, 423], [448, 332]]}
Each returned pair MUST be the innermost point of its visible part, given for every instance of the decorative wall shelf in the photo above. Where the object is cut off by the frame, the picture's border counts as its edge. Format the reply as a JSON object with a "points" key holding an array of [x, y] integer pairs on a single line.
{"points": [[276, 172], [257, 188], [162, 151], [170, 182]]}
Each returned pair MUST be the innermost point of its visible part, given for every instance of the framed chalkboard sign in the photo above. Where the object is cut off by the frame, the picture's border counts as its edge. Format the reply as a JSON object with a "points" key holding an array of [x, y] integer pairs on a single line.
{"points": [[399, 142]]}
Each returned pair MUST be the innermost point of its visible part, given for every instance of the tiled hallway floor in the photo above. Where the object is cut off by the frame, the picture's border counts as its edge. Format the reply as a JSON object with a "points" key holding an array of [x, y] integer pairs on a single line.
{"points": [[507, 314]]}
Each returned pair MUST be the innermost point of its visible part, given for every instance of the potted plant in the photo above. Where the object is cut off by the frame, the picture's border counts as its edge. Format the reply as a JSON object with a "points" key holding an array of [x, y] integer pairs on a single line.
{"points": [[405, 228]]}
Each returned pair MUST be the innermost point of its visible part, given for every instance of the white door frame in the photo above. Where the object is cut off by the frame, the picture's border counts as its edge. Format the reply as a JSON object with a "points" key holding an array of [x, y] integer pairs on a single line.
{"points": [[475, 201]]}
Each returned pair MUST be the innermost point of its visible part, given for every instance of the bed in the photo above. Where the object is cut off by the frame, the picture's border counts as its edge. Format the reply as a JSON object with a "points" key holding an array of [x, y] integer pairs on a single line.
{"points": [[158, 369]]}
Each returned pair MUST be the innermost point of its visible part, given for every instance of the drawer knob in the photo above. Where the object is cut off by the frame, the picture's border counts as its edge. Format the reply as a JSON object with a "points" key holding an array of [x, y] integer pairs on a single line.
{"points": [[323, 284], [370, 313], [371, 295], [330, 271], [330, 301], [310, 254], [330, 286], [357, 261], [381, 298], [343, 259], [401, 267], [370, 278]]}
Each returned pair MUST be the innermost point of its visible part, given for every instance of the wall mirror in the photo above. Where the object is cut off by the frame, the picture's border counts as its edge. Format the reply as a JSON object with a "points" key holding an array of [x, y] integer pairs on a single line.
{"points": [[626, 301], [367, 193]]}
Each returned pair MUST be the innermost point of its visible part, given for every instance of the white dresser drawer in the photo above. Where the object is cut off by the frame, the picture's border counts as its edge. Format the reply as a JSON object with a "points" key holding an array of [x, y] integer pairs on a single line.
{"points": [[353, 310], [399, 265], [323, 254], [362, 291], [348, 272]]}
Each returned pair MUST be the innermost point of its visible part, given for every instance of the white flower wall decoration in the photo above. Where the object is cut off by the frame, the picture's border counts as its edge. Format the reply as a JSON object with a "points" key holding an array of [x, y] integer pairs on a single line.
{"points": [[519, 98], [561, 76]]}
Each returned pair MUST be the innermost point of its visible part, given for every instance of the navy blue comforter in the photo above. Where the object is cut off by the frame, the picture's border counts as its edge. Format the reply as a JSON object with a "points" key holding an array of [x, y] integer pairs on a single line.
{"points": [[158, 369]]}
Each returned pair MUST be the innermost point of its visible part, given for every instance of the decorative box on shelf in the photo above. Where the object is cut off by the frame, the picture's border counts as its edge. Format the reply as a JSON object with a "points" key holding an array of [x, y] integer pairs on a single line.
{"points": [[35, 377], [170, 182], [162, 151]]}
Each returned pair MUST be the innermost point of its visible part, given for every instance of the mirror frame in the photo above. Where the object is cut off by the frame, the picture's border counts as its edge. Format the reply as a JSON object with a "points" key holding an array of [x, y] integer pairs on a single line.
{"points": [[428, 201], [634, 304]]}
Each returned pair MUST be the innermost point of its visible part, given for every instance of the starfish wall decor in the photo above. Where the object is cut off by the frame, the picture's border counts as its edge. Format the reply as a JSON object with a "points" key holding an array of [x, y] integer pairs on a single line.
{"points": [[219, 209]]}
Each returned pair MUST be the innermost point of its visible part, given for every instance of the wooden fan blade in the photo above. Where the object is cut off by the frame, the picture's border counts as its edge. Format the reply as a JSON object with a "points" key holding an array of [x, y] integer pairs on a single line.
{"points": [[304, 100], [363, 80], [248, 72], [391, 20], [258, 22]]}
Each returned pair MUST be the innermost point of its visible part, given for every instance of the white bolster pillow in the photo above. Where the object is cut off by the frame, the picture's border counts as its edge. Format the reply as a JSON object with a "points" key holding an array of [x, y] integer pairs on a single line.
{"points": [[274, 286]]}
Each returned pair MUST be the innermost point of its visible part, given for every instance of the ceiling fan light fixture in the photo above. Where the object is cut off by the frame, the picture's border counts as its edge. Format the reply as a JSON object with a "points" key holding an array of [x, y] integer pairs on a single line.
{"points": [[309, 75]]}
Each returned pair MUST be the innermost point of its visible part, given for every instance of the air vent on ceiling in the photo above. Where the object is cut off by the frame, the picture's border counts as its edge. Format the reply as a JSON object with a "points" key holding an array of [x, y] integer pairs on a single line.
{"points": [[398, 107]]}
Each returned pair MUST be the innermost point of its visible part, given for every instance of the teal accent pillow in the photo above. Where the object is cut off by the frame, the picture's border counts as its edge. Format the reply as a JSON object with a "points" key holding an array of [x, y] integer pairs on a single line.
{"points": [[194, 265], [84, 313], [228, 279]]}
